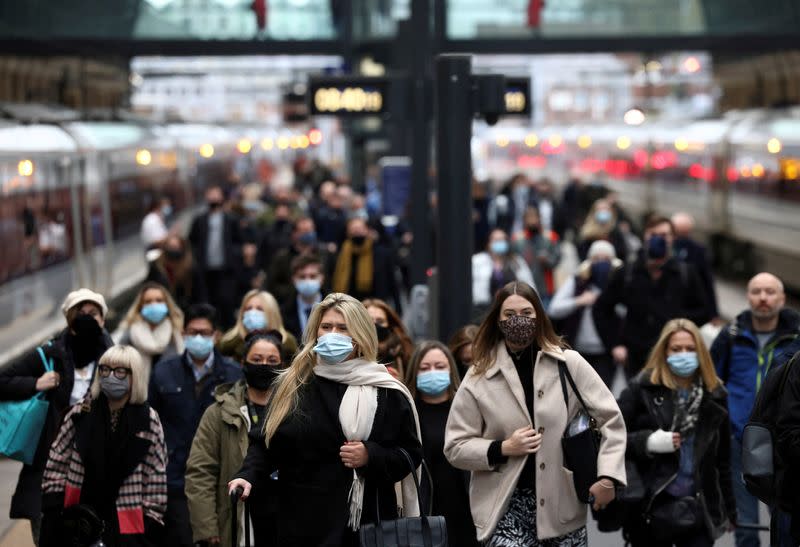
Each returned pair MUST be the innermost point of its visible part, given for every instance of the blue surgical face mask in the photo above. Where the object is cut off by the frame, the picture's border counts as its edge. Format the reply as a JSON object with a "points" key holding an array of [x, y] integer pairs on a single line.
{"points": [[433, 382], [254, 320], [166, 210], [683, 364], [307, 238], [333, 348], [603, 216], [499, 247], [199, 346], [155, 312], [307, 287]]}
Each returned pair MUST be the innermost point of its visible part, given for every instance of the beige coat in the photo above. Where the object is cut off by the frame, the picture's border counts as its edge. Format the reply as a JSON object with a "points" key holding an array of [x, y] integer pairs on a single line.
{"points": [[491, 406]]}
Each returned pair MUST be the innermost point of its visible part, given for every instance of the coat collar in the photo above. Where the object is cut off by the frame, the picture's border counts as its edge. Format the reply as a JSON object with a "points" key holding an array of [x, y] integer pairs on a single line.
{"points": [[503, 364], [232, 398]]}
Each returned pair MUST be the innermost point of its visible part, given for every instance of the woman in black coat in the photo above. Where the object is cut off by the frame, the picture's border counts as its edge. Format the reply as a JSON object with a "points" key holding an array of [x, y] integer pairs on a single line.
{"points": [[336, 430], [432, 378], [679, 443], [73, 353]]}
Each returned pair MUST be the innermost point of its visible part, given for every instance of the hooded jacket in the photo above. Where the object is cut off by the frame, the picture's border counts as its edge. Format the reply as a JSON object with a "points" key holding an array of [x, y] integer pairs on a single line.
{"points": [[743, 366]]}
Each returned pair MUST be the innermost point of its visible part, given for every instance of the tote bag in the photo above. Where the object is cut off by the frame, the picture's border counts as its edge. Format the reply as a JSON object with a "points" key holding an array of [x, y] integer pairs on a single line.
{"points": [[21, 422]]}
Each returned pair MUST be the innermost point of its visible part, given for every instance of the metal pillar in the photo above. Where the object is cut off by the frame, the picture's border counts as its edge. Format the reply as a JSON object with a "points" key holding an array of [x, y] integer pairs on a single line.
{"points": [[454, 112], [419, 214]]}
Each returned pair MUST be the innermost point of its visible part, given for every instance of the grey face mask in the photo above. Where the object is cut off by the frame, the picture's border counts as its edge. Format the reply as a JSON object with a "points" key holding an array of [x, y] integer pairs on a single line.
{"points": [[114, 388]]}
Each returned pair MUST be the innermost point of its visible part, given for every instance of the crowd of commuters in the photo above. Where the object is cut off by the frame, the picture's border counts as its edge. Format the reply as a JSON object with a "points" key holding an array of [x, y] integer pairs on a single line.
{"points": [[266, 354]]}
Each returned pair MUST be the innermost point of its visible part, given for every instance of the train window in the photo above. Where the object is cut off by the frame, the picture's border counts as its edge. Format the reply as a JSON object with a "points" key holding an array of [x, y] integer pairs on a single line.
{"points": [[36, 230]]}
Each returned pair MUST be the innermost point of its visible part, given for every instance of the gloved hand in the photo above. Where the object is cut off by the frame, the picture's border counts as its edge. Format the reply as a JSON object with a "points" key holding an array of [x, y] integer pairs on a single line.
{"points": [[660, 442]]}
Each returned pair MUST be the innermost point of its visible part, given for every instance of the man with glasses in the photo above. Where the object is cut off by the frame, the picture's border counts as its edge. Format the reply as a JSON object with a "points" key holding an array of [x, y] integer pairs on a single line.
{"points": [[181, 388]]}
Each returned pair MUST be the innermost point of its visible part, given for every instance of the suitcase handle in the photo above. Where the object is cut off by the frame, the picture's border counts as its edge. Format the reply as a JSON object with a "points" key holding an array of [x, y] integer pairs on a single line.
{"points": [[236, 496]]}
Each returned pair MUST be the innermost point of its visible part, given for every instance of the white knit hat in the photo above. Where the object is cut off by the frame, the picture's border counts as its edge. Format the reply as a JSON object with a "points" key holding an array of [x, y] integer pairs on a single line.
{"points": [[601, 247], [83, 295]]}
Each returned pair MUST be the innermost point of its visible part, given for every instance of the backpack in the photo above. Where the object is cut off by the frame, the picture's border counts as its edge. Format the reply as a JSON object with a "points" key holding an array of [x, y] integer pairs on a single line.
{"points": [[763, 469]]}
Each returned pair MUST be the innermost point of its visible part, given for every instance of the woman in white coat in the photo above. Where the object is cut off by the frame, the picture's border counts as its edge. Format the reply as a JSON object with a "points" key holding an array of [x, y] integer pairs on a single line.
{"points": [[494, 267], [506, 425]]}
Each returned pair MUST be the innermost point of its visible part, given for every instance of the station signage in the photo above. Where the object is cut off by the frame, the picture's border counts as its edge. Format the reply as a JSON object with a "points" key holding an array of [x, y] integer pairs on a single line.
{"points": [[518, 97], [349, 95]]}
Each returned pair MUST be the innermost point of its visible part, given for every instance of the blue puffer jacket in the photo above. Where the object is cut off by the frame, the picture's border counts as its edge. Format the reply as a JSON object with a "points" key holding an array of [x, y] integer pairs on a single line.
{"points": [[181, 402], [743, 367]]}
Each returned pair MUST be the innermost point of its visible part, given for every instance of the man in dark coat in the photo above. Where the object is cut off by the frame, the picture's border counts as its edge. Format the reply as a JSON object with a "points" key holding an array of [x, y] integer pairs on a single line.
{"points": [[74, 353], [653, 290], [788, 433], [216, 247], [690, 251], [308, 279], [279, 265], [181, 388]]}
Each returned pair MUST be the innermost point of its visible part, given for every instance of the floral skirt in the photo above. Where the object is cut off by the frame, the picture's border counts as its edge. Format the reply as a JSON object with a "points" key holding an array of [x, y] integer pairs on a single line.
{"points": [[517, 528]]}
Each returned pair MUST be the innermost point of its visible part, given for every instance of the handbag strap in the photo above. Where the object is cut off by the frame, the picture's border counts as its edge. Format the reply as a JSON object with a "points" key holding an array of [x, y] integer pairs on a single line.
{"points": [[427, 536], [48, 367], [563, 372]]}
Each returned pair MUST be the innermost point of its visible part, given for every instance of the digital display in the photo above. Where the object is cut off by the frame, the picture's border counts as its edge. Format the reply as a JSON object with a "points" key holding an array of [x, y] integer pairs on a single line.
{"points": [[348, 96]]}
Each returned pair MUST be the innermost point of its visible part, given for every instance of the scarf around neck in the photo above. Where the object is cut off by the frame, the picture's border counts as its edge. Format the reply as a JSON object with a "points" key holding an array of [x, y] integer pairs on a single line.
{"points": [[356, 416], [364, 267], [153, 342], [687, 409]]}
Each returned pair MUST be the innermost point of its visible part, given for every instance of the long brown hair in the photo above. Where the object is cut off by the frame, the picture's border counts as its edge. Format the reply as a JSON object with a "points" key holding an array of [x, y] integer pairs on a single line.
{"points": [[399, 334], [419, 354], [660, 374], [489, 335]]}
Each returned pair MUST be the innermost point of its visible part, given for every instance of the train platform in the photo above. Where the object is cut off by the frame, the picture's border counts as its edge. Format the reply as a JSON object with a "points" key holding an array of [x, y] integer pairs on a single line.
{"points": [[731, 298]]}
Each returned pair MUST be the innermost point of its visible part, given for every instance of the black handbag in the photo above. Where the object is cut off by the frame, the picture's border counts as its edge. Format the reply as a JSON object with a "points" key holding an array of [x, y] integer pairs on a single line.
{"points": [[580, 448], [80, 526], [671, 517], [422, 531]]}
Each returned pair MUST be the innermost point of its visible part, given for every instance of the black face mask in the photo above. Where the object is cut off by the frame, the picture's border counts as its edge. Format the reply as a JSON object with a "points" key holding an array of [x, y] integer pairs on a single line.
{"points": [[214, 205], [86, 328], [358, 240], [383, 332], [260, 377], [172, 254]]}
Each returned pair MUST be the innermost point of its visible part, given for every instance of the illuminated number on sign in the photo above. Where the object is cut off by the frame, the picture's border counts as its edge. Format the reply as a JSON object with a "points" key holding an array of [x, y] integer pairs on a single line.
{"points": [[349, 99], [515, 101]]}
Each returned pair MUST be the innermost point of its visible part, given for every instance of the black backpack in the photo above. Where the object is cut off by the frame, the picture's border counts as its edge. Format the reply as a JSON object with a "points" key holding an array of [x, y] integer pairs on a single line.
{"points": [[763, 469]]}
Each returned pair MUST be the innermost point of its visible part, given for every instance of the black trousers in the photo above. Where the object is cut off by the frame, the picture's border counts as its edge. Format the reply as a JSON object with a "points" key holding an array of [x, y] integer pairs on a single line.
{"points": [[177, 526], [221, 287]]}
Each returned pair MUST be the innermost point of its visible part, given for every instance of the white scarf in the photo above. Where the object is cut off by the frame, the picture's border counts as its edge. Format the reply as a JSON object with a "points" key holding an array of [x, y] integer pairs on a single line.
{"points": [[357, 414], [151, 342]]}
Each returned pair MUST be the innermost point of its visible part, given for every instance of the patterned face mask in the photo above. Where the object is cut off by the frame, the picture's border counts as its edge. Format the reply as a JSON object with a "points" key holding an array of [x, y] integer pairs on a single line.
{"points": [[519, 330]]}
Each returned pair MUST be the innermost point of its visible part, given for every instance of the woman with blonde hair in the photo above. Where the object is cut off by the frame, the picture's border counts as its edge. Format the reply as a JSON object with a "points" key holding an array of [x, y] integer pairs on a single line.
{"points": [[394, 343], [109, 456], [339, 431], [153, 325], [679, 442], [507, 421], [259, 311], [601, 224], [432, 378]]}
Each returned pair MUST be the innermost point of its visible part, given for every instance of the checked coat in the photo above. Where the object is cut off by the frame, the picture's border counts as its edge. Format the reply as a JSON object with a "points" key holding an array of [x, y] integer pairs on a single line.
{"points": [[142, 497]]}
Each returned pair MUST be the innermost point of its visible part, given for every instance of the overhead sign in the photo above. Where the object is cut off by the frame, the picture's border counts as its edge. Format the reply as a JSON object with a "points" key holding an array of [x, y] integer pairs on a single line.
{"points": [[349, 95], [518, 97]]}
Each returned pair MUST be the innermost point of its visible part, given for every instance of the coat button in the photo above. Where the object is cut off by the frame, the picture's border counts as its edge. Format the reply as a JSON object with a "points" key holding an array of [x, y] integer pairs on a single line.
{"points": [[540, 394], [541, 466], [541, 502]]}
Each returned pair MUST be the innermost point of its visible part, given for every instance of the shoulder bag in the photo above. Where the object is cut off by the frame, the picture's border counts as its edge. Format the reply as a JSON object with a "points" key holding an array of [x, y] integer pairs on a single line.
{"points": [[21, 422], [422, 531], [581, 441]]}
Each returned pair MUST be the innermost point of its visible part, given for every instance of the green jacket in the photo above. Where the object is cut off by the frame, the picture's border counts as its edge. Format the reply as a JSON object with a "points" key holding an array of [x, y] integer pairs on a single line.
{"points": [[218, 450]]}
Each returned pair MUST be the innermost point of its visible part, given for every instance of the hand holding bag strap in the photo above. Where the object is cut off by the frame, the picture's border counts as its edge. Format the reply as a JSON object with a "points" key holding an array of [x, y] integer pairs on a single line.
{"points": [[48, 367]]}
